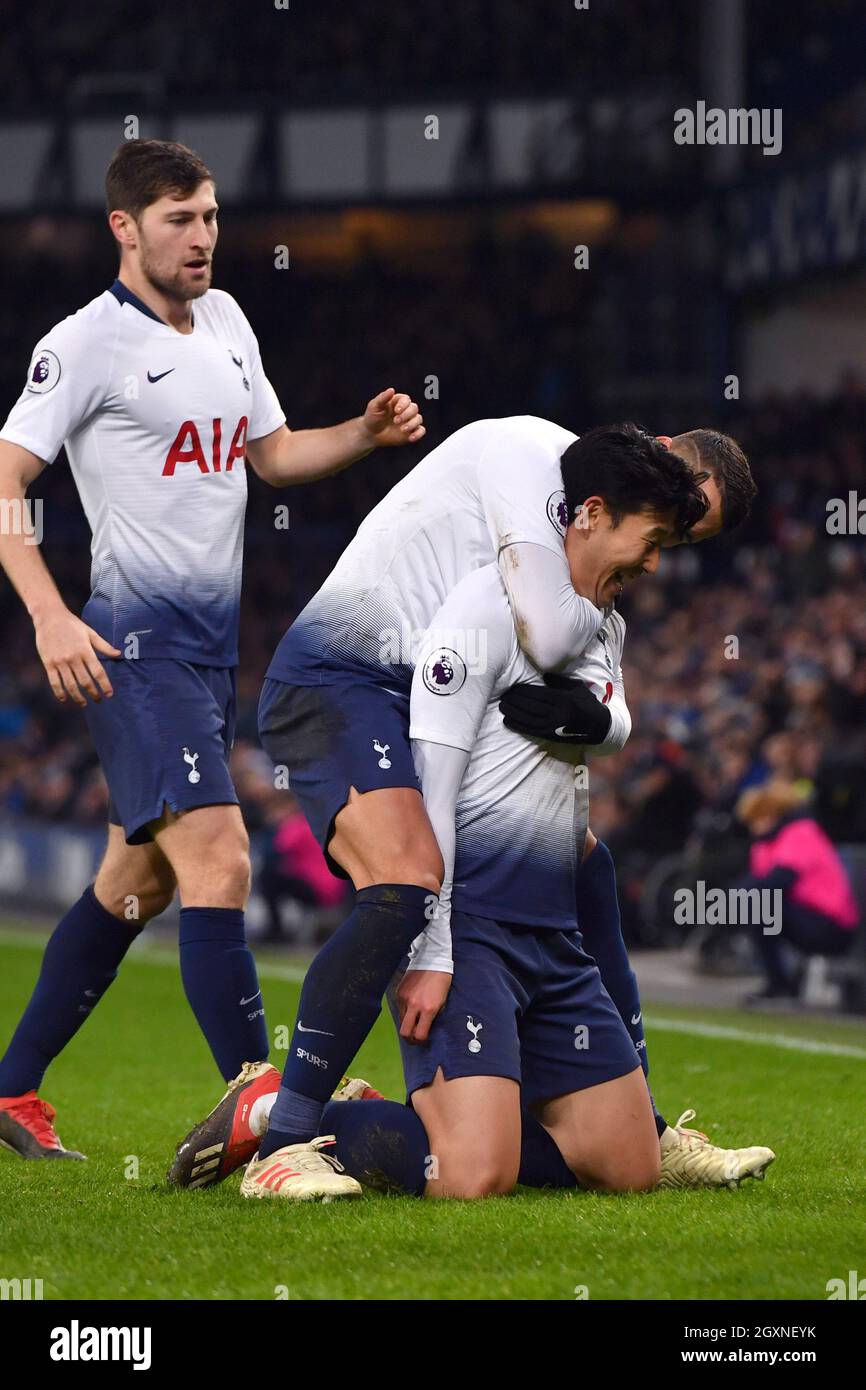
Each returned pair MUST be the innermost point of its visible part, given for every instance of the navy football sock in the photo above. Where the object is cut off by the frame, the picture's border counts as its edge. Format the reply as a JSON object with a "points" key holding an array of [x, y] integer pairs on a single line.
{"points": [[385, 1146], [293, 1119], [222, 986], [381, 1143], [541, 1163], [80, 962], [340, 1001], [600, 927]]}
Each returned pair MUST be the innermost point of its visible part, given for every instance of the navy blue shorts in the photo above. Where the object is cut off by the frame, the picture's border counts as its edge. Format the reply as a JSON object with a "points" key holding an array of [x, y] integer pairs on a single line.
{"points": [[526, 1003], [163, 739], [353, 733]]}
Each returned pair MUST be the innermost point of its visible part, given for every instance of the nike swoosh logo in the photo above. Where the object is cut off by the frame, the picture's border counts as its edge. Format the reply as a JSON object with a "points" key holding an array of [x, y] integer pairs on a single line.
{"points": [[159, 375], [302, 1029], [252, 997], [636, 1020], [563, 732]]}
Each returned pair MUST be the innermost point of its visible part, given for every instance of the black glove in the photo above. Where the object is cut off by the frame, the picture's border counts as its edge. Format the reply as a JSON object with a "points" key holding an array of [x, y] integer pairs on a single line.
{"points": [[563, 710]]}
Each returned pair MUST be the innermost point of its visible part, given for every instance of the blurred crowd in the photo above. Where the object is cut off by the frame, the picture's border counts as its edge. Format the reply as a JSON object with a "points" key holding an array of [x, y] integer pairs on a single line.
{"points": [[756, 674], [222, 53], [745, 657], [225, 50], [811, 68]]}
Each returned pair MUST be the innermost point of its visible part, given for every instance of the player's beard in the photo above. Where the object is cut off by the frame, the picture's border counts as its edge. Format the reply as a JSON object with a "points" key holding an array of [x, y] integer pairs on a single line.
{"points": [[173, 286]]}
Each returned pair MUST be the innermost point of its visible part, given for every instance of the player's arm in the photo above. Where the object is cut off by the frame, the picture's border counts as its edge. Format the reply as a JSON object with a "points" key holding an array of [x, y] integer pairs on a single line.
{"points": [[452, 686], [440, 767], [552, 621], [620, 719], [67, 647], [588, 708], [596, 673], [285, 457], [518, 494]]}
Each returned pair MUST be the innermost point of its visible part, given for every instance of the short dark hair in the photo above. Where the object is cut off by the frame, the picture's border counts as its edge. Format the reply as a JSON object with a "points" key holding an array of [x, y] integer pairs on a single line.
{"points": [[632, 471], [726, 463], [141, 171]]}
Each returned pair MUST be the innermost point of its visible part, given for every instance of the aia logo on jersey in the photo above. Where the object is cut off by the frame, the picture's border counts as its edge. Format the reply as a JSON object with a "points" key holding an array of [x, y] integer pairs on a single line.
{"points": [[188, 447]]}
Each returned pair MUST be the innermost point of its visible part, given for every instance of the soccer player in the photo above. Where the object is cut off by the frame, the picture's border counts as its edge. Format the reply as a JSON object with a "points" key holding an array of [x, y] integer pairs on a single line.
{"points": [[527, 1008], [511, 817], [157, 390], [335, 703]]}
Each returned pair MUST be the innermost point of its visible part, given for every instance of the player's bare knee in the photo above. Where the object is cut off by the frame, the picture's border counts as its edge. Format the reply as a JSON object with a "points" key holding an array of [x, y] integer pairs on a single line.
{"points": [[154, 902], [233, 873], [624, 1173], [147, 903], [120, 904], [640, 1176], [219, 879], [134, 902], [489, 1181], [467, 1176]]}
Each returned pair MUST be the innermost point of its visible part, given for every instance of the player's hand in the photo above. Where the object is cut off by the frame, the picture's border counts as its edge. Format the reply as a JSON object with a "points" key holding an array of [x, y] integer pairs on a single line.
{"points": [[420, 996], [67, 648], [393, 418], [563, 710]]}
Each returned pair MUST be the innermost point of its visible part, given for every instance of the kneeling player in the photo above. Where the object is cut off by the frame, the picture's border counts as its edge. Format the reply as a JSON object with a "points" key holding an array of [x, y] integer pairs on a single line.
{"points": [[527, 1018]]}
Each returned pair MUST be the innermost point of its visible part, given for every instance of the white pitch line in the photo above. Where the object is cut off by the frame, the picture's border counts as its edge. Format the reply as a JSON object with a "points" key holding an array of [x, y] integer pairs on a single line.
{"points": [[294, 975], [721, 1030], [149, 955]]}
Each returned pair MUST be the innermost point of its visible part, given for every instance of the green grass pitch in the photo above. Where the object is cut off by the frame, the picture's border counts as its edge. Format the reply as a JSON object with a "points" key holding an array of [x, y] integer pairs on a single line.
{"points": [[138, 1076]]}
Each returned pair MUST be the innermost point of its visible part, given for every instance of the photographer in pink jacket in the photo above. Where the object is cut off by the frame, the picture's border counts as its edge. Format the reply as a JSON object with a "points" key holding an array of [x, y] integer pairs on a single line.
{"points": [[792, 854]]}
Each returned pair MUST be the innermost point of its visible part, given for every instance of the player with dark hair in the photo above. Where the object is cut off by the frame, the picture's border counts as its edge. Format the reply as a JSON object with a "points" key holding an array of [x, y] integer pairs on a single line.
{"points": [[717, 461], [157, 390], [337, 692], [728, 482], [526, 1051]]}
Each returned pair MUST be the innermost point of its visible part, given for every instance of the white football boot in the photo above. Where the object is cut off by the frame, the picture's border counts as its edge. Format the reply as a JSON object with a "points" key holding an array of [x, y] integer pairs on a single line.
{"points": [[300, 1173], [690, 1160]]}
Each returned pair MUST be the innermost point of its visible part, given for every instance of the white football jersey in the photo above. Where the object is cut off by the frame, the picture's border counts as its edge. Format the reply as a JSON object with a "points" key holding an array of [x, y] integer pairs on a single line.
{"points": [[491, 484], [522, 809], [155, 425]]}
